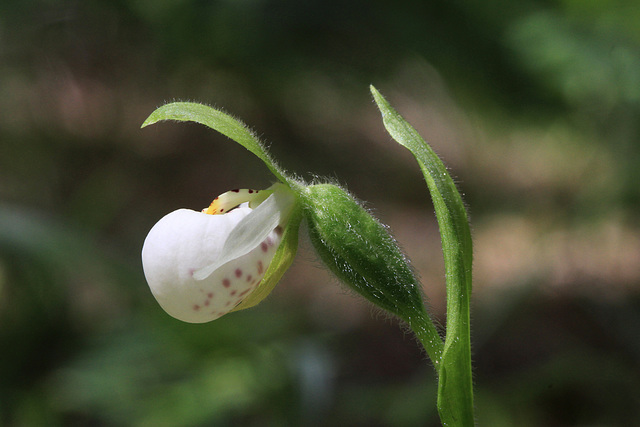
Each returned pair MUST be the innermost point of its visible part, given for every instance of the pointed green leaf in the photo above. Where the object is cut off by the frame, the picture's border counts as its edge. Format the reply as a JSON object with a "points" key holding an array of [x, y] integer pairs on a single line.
{"points": [[218, 121], [455, 387]]}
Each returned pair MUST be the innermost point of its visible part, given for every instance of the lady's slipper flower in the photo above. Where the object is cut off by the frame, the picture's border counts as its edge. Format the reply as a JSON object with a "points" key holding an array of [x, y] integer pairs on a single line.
{"points": [[201, 265]]}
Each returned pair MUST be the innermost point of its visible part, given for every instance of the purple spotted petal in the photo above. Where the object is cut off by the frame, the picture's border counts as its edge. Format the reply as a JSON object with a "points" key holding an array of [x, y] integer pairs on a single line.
{"points": [[185, 241]]}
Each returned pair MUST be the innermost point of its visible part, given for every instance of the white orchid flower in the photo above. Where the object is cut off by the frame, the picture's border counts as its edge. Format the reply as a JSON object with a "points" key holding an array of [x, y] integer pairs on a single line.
{"points": [[202, 265]]}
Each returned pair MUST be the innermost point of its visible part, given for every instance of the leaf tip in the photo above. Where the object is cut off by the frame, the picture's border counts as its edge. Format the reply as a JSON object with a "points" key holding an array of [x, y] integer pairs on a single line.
{"points": [[156, 116], [378, 98], [149, 121]]}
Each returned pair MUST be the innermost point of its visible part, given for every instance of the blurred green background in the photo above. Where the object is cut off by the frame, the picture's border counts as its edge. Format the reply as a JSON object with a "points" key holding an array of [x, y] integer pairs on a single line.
{"points": [[534, 106]]}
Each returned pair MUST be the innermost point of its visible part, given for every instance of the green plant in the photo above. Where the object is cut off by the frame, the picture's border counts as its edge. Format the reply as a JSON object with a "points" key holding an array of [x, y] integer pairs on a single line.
{"points": [[202, 265]]}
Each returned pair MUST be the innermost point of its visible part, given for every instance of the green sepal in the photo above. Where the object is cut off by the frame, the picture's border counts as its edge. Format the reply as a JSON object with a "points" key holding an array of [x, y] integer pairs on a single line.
{"points": [[455, 386], [281, 261], [218, 121]]}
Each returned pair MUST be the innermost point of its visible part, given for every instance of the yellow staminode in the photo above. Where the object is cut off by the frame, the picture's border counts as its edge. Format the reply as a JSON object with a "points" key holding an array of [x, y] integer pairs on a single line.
{"points": [[229, 200]]}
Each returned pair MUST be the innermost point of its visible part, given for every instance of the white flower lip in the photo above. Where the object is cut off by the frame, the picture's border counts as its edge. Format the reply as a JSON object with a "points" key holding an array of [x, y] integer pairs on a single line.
{"points": [[200, 266]]}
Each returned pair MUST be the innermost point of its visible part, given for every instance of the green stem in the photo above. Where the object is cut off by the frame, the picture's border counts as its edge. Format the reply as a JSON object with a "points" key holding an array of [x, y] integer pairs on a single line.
{"points": [[429, 337]]}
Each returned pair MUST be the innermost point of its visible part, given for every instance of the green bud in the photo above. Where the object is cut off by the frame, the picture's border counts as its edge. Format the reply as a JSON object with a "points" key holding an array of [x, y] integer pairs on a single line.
{"points": [[359, 251]]}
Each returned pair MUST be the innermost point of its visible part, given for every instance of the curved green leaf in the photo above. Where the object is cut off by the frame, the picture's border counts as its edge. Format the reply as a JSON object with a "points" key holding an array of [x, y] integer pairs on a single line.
{"points": [[455, 385], [218, 121]]}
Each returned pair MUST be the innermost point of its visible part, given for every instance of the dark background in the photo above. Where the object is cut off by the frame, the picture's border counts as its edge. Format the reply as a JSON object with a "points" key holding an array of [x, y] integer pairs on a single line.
{"points": [[534, 106]]}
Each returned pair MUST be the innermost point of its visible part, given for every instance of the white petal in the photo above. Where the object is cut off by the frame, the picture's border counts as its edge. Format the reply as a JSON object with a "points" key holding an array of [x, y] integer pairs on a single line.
{"points": [[252, 230], [200, 266]]}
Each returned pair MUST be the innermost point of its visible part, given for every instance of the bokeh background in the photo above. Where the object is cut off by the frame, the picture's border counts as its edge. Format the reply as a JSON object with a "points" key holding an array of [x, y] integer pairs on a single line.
{"points": [[534, 106]]}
